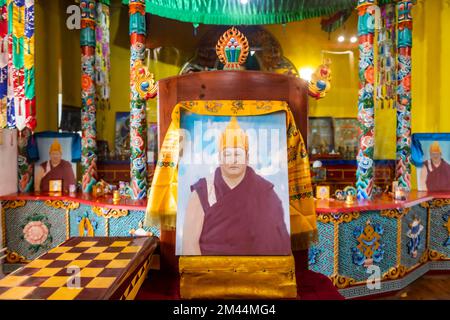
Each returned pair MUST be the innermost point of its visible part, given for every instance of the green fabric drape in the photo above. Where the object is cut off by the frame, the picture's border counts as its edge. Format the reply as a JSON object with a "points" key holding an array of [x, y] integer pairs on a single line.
{"points": [[233, 12]]}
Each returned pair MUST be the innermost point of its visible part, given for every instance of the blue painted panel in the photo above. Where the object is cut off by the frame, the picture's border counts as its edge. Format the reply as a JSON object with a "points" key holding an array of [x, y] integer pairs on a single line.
{"points": [[44, 217], [348, 242], [440, 236], [97, 222], [122, 226], [413, 247], [321, 256]]}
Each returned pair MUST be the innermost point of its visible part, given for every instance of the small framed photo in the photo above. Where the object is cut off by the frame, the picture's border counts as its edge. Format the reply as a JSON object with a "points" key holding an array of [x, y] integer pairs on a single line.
{"points": [[323, 192], [55, 186]]}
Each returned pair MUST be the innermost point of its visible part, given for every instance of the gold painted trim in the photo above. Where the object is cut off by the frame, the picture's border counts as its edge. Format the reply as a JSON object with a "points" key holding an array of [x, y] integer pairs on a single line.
{"points": [[106, 227], [133, 288], [67, 225], [394, 273], [338, 218], [342, 282], [395, 213], [60, 204], [109, 213], [14, 257], [336, 249], [436, 203], [9, 204], [434, 255]]}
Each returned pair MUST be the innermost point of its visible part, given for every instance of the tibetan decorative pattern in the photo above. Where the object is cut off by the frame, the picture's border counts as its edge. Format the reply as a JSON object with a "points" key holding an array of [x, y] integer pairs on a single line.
{"points": [[14, 257], [386, 73], [320, 82], [321, 254], [102, 56], [21, 102], [33, 227], [414, 228], [366, 31], [83, 222], [102, 63], [337, 217], [62, 204], [88, 111], [232, 49], [138, 124], [342, 282], [125, 225], [361, 246], [395, 273], [440, 229], [12, 204], [395, 213], [109, 213], [369, 249], [143, 81], [404, 45]]}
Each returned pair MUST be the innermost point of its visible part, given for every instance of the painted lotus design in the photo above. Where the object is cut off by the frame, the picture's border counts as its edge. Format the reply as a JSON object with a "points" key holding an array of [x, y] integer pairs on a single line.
{"points": [[35, 232]]}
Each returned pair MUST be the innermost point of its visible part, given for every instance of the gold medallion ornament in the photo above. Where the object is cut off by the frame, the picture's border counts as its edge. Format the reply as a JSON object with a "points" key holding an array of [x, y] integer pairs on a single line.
{"points": [[143, 81], [232, 49], [320, 82]]}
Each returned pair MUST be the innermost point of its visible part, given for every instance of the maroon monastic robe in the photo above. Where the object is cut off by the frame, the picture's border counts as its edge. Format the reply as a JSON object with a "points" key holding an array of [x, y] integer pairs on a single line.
{"points": [[245, 220], [439, 177], [63, 171]]}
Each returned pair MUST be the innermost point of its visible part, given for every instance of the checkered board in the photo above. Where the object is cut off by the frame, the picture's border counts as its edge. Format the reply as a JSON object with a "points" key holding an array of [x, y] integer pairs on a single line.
{"points": [[86, 268]]}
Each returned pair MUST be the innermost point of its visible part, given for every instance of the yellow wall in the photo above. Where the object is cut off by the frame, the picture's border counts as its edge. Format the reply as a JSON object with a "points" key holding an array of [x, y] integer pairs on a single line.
{"points": [[302, 43]]}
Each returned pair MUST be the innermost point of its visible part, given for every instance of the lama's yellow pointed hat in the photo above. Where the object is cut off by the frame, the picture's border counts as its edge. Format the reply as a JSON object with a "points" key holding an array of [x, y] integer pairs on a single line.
{"points": [[55, 146], [233, 136], [435, 147]]}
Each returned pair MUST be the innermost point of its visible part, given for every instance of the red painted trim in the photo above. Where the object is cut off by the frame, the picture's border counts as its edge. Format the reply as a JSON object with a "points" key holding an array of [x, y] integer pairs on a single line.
{"points": [[88, 199]]}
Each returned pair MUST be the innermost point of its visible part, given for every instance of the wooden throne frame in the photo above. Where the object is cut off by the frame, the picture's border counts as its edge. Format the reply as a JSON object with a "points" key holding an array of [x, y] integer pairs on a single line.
{"points": [[225, 85]]}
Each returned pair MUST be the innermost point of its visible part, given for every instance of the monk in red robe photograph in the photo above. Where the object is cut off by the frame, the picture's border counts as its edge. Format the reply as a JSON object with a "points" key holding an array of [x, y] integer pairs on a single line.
{"points": [[54, 169], [435, 175], [235, 211]]}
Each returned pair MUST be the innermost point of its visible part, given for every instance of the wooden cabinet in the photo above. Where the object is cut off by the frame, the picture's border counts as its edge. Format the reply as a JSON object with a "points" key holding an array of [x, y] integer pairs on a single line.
{"points": [[342, 173]]}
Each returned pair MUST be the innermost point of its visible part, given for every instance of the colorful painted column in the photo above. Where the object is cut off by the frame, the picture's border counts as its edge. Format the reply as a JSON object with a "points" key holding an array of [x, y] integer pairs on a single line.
{"points": [[366, 32], [138, 124], [404, 46], [88, 112]]}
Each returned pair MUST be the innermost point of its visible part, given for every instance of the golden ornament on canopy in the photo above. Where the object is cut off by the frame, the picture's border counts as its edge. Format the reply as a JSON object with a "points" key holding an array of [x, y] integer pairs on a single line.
{"points": [[232, 49]]}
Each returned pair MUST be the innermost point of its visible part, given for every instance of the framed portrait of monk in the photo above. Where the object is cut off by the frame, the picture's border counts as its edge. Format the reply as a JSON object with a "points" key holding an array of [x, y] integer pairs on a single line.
{"points": [[54, 155], [233, 195], [431, 156]]}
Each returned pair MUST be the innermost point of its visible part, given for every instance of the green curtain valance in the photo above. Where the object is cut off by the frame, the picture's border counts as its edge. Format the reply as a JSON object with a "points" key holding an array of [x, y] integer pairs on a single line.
{"points": [[233, 12]]}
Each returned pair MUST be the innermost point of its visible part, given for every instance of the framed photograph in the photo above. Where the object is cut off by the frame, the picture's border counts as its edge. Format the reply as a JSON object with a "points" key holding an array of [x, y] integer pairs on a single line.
{"points": [[430, 153], [346, 131], [122, 134], [55, 185], [55, 155], [233, 194], [323, 192], [320, 135]]}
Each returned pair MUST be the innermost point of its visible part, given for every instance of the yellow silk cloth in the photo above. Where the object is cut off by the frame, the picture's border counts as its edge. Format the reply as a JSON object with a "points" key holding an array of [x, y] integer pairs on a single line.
{"points": [[237, 277], [162, 198]]}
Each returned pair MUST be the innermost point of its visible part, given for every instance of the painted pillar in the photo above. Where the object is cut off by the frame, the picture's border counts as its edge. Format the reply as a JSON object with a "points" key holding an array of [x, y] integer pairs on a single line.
{"points": [[366, 33], [138, 124], [404, 46], [88, 111]]}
